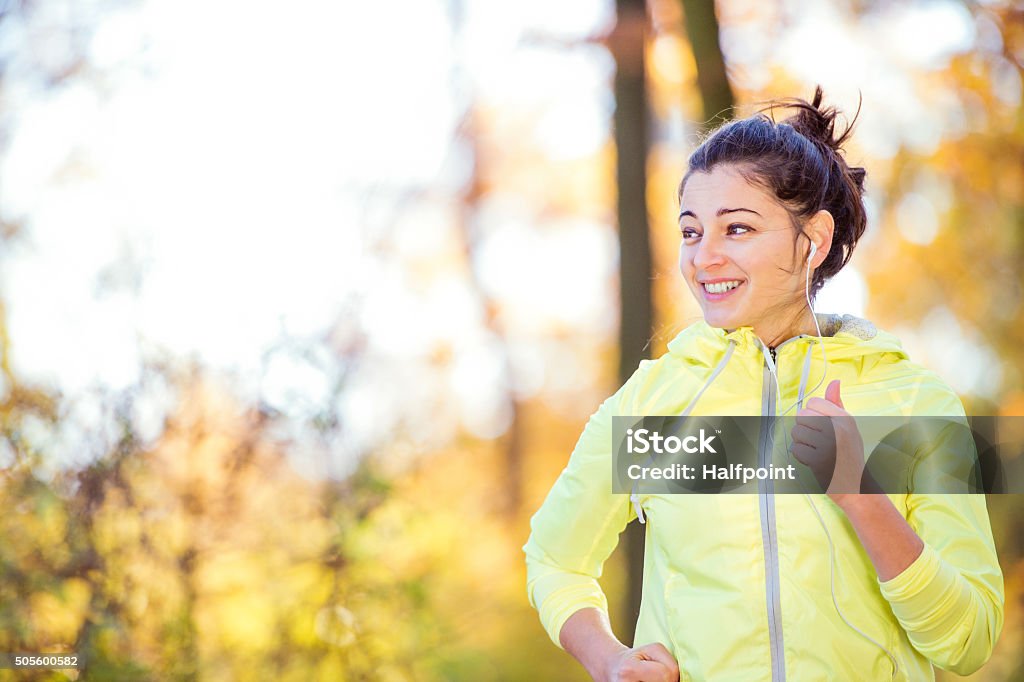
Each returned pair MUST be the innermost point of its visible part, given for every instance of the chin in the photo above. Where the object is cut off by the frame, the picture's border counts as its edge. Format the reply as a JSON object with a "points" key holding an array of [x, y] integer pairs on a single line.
{"points": [[723, 321]]}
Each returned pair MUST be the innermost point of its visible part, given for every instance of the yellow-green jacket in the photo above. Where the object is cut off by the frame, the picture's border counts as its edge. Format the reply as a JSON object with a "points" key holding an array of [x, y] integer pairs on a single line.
{"points": [[737, 586]]}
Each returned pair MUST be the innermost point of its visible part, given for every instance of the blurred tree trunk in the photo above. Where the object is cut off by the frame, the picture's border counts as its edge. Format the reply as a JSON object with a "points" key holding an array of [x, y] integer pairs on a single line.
{"points": [[467, 135], [511, 500], [712, 81], [632, 144]]}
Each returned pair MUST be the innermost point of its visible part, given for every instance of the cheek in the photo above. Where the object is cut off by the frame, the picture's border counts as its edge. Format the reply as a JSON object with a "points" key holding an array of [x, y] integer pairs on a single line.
{"points": [[767, 268]]}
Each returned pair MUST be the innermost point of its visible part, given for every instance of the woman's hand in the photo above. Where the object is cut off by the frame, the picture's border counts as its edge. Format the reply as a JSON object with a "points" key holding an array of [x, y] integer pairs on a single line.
{"points": [[826, 439], [648, 663], [587, 635]]}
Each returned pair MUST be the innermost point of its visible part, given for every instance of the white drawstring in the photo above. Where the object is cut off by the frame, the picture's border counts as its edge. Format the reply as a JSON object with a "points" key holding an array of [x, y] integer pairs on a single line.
{"points": [[633, 497]]}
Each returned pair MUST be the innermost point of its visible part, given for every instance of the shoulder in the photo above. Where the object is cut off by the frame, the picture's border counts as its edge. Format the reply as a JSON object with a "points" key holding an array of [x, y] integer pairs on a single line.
{"points": [[648, 375], [645, 372], [684, 367], [920, 390], [934, 396]]}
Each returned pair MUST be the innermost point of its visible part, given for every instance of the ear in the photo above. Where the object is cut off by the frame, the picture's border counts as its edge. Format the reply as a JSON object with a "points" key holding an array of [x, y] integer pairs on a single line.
{"points": [[819, 229]]}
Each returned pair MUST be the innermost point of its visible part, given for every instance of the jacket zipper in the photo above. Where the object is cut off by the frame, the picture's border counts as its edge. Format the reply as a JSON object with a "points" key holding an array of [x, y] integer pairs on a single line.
{"points": [[769, 538]]}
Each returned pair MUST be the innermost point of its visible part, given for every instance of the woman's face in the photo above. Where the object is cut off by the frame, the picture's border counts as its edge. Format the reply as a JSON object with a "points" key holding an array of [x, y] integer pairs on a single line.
{"points": [[734, 232]]}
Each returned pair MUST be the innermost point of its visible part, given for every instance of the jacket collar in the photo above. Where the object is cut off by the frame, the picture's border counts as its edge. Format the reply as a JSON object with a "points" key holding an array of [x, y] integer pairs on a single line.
{"points": [[843, 335]]}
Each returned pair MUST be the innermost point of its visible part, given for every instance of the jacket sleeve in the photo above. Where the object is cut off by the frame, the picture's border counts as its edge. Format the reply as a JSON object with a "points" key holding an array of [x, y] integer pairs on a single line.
{"points": [[577, 526], [950, 600]]}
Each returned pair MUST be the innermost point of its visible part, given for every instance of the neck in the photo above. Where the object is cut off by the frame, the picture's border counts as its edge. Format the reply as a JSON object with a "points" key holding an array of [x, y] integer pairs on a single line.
{"points": [[773, 335]]}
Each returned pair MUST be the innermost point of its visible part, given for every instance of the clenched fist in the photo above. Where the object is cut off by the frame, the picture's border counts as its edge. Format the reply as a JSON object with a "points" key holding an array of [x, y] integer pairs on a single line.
{"points": [[648, 663], [826, 439]]}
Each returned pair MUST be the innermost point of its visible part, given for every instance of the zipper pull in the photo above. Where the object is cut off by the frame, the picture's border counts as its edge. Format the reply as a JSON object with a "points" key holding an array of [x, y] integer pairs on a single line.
{"points": [[639, 510]]}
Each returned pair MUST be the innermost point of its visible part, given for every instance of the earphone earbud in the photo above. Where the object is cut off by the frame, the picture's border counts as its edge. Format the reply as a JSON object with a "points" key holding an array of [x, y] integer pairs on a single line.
{"points": [[814, 250]]}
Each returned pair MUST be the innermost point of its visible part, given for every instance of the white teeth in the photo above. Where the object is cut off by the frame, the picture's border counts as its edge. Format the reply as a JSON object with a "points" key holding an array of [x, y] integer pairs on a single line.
{"points": [[722, 287]]}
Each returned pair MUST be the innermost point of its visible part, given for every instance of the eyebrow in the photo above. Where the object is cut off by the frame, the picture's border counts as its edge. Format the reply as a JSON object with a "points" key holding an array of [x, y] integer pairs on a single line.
{"points": [[721, 212]]}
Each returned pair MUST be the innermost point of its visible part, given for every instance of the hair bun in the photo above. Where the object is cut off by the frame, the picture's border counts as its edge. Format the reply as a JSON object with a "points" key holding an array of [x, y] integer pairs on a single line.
{"points": [[818, 123]]}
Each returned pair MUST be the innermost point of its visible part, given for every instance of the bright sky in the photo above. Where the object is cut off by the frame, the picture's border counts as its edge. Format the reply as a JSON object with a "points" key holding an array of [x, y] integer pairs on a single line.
{"points": [[204, 194]]}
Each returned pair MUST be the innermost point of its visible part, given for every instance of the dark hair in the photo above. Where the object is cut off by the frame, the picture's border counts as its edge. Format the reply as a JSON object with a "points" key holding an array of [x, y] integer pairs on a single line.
{"points": [[800, 161]]}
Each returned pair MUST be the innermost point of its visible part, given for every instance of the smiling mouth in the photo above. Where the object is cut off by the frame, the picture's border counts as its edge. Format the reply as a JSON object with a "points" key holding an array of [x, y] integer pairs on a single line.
{"points": [[718, 288]]}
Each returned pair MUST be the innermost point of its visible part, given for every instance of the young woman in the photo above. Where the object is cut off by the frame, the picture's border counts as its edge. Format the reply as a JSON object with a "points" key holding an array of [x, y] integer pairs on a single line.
{"points": [[833, 586]]}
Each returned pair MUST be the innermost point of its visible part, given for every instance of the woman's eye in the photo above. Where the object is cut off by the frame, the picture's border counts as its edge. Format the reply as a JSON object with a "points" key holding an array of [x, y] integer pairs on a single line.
{"points": [[689, 233], [738, 226]]}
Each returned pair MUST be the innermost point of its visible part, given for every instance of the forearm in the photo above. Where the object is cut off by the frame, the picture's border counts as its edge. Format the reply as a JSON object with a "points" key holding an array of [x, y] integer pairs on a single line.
{"points": [[953, 618], [587, 635], [890, 542]]}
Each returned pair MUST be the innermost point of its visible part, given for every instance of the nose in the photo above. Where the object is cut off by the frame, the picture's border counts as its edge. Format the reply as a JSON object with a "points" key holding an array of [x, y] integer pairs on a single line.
{"points": [[708, 253]]}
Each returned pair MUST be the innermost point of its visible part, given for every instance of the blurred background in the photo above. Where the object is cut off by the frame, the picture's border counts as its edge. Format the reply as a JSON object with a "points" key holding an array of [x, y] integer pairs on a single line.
{"points": [[304, 305]]}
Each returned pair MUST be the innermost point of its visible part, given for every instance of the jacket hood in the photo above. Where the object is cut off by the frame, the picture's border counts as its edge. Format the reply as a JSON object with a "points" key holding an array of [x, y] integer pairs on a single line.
{"points": [[844, 336]]}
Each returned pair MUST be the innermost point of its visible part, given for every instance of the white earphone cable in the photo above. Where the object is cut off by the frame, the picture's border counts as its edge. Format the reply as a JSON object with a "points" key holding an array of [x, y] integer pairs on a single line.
{"points": [[831, 550]]}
